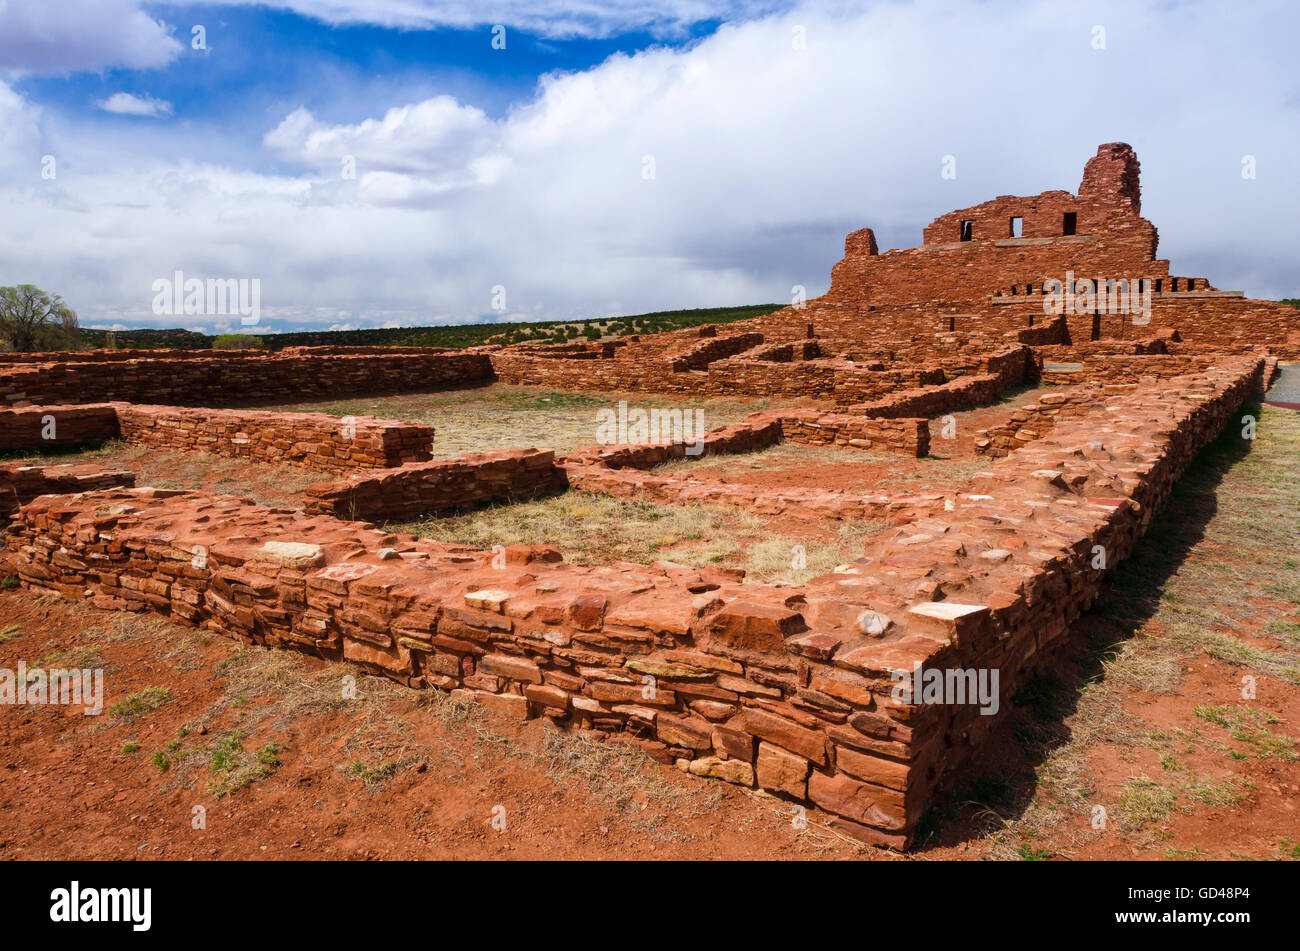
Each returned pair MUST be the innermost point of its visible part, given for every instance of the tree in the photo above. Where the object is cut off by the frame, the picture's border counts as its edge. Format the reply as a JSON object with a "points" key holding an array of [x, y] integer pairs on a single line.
{"points": [[31, 319], [237, 342]]}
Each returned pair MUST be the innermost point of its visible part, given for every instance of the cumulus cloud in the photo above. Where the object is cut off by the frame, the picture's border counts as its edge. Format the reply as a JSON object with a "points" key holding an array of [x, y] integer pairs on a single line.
{"points": [[19, 129], [38, 36], [127, 104], [440, 141], [724, 172]]}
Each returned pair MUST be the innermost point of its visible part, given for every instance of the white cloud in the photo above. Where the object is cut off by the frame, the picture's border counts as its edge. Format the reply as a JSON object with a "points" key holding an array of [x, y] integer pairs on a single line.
{"points": [[438, 140], [551, 18], [127, 104], [19, 130], [40, 36], [765, 156]]}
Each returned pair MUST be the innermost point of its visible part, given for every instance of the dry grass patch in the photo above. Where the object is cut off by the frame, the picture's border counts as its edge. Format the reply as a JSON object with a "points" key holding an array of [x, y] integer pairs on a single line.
{"points": [[881, 471], [595, 529], [502, 416], [1219, 562]]}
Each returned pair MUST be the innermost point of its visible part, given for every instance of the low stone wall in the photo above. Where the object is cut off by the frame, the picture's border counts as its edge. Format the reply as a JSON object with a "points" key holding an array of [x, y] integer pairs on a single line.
{"points": [[225, 377], [962, 393], [20, 483], [787, 687], [47, 427], [469, 480], [311, 440], [627, 472], [788, 352], [998, 370], [1121, 368], [1034, 420], [906, 437], [1054, 332], [706, 351], [814, 505], [831, 379]]}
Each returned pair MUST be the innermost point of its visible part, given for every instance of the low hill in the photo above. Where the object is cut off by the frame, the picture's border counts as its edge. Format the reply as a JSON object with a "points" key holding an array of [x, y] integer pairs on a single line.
{"points": [[457, 336]]}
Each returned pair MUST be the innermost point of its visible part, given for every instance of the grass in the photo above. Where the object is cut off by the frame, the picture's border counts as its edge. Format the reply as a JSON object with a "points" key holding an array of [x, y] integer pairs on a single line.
{"points": [[880, 471], [62, 453], [502, 416], [229, 765], [594, 529], [1245, 725], [618, 773], [1215, 577], [233, 767], [1145, 802], [141, 702]]}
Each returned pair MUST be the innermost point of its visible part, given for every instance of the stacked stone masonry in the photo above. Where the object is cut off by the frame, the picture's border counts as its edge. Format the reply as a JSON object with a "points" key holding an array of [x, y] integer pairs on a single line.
{"points": [[787, 687], [216, 378], [446, 485], [21, 482], [56, 427], [310, 440], [781, 686]]}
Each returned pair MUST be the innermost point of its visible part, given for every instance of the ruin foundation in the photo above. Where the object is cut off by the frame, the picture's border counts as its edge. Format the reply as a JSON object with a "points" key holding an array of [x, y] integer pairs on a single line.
{"points": [[804, 690]]}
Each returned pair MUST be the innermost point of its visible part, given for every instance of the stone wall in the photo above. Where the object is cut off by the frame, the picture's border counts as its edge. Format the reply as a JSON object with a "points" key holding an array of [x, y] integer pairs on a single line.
{"points": [[1034, 420], [469, 480], [685, 488], [46, 427], [906, 437], [628, 472], [20, 482], [310, 440], [706, 351], [1122, 368], [229, 377], [781, 686]]}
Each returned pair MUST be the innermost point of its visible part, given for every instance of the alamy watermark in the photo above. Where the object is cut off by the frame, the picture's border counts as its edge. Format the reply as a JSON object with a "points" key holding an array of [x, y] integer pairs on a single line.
{"points": [[951, 685], [215, 297], [54, 686], [1087, 296], [637, 426]]}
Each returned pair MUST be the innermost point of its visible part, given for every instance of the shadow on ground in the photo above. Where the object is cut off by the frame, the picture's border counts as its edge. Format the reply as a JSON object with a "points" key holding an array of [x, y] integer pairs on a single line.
{"points": [[1002, 784]]}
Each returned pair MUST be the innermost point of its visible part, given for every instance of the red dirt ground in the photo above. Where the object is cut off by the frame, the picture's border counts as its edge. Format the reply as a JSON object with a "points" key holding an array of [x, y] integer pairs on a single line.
{"points": [[70, 791]]}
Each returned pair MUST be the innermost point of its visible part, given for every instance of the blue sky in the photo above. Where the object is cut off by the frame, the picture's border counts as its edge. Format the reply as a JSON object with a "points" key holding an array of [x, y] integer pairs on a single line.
{"points": [[770, 131], [261, 61]]}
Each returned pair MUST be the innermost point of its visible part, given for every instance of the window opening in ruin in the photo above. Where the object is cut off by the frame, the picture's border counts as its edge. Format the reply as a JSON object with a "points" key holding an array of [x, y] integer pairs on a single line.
{"points": [[1017, 227], [1070, 223], [967, 229]]}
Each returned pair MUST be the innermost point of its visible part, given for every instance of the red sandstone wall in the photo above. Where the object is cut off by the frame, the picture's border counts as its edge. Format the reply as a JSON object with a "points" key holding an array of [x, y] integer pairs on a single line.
{"points": [[784, 687], [906, 437], [469, 480], [715, 348], [1034, 420], [627, 471], [229, 377], [21, 483], [311, 440], [29, 427]]}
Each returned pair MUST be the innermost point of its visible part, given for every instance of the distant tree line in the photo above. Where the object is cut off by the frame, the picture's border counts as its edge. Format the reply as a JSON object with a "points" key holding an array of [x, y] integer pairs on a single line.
{"points": [[452, 336]]}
